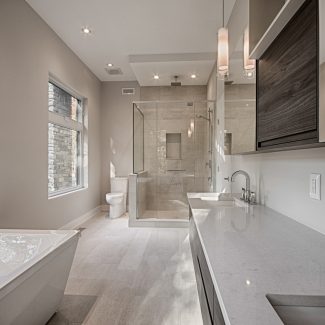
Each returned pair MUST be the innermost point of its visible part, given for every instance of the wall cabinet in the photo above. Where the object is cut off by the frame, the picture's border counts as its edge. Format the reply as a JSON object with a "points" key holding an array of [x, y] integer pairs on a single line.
{"points": [[287, 84], [210, 308]]}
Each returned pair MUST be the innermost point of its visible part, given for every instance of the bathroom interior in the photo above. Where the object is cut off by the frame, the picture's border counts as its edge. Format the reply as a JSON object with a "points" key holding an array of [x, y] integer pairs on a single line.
{"points": [[162, 162]]}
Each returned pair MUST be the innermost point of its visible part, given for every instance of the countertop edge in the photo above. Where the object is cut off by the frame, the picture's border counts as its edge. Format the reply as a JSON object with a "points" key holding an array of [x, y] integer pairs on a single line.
{"points": [[214, 280]]}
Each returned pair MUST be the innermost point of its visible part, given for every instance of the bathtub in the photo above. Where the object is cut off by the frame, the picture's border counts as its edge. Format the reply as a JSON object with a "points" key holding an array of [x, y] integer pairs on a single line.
{"points": [[34, 269]]}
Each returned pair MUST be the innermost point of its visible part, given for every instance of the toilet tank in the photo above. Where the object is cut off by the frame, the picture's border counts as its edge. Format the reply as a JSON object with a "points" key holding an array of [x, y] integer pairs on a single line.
{"points": [[119, 185]]}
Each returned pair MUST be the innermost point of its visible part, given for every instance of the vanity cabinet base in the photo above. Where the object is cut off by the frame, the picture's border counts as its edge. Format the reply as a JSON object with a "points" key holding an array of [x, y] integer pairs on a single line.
{"points": [[210, 308]]}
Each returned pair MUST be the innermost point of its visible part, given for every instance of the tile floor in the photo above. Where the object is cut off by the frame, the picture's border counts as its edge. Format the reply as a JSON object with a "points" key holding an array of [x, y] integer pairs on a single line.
{"points": [[138, 275]]}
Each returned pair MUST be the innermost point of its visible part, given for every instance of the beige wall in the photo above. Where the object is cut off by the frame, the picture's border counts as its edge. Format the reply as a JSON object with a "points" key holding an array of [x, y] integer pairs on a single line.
{"points": [[117, 131], [30, 50]]}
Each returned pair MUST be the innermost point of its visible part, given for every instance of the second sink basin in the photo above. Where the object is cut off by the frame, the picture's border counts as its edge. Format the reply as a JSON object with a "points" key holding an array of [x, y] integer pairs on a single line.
{"points": [[299, 310], [223, 199]]}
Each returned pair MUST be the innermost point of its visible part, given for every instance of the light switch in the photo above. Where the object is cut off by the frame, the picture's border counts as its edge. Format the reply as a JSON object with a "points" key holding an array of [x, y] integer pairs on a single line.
{"points": [[314, 186]]}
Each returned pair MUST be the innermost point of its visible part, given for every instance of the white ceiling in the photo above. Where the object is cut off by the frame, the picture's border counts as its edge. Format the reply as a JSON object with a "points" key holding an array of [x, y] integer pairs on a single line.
{"points": [[121, 28], [169, 65]]}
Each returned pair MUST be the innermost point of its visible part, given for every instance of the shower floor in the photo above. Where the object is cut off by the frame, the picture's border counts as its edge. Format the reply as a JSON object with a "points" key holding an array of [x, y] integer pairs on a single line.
{"points": [[165, 214]]}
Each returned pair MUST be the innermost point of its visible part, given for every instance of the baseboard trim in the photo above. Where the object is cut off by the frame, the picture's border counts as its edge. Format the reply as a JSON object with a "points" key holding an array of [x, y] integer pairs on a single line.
{"points": [[75, 223]]}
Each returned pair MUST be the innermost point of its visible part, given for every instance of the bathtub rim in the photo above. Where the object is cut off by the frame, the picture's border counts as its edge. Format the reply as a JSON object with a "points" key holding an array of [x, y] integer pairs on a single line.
{"points": [[28, 269]]}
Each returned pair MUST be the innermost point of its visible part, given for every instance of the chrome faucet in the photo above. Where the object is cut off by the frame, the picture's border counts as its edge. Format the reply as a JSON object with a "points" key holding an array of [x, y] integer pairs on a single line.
{"points": [[246, 194]]}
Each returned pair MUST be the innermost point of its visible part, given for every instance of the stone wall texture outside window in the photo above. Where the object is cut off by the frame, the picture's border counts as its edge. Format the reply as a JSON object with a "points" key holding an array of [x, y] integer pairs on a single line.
{"points": [[64, 144], [64, 104]]}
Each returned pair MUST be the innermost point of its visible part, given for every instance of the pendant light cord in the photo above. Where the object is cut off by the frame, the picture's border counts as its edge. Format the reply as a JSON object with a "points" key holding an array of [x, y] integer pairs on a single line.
{"points": [[223, 13]]}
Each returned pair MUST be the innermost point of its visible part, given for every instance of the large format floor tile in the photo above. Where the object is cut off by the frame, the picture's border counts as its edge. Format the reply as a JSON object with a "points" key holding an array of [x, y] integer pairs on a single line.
{"points": [[138, 276]]}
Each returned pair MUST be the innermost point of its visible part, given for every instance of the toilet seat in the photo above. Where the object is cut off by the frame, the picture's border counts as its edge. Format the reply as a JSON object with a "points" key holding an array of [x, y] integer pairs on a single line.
{"points": [[114, 195], [114, 198]]}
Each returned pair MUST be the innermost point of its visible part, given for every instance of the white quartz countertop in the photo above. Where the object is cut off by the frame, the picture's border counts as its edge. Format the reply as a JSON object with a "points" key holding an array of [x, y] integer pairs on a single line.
{"points": [[255, 251]]}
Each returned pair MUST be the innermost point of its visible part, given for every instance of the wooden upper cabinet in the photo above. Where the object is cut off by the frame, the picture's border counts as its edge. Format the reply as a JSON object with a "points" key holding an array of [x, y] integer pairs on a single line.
{"points": [[287, 95]]}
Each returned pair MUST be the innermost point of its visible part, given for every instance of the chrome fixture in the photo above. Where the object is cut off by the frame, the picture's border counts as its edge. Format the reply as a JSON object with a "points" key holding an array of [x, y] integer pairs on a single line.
{"points": [[176, 83], [201, 116], [206, 118], [246, 195]]}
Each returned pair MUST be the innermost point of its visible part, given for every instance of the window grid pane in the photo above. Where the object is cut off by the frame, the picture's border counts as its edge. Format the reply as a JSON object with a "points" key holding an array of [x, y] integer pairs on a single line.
{"points": [[64, 146], [64, 104]]}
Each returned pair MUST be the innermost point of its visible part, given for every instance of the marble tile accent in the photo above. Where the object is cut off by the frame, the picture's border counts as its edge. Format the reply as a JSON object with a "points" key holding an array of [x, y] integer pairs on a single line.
{"points": [[137, 275]]}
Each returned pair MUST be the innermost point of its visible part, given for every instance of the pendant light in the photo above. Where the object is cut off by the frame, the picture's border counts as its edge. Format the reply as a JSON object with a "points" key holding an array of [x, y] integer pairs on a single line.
{"points": [[249, 64], [223, 47]]}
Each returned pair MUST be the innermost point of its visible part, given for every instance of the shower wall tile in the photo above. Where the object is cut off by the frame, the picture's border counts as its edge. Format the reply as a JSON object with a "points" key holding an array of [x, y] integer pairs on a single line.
{"points": [[149, 93], [240, 109], [164, 93], [165, 189]]}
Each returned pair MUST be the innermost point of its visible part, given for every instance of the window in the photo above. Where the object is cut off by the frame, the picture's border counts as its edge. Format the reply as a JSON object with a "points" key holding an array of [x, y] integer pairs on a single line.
{"points": [[65, 141]]}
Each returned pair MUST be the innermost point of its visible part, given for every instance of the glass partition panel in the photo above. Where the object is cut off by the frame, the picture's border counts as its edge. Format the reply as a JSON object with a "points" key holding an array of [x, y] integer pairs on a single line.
{"points": [[138, 139], [177, 155], [239, 106]]}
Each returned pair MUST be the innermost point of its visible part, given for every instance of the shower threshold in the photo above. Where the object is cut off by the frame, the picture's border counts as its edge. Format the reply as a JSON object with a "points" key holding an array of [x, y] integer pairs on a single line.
{"points": [[165, 214], [153, 222]]}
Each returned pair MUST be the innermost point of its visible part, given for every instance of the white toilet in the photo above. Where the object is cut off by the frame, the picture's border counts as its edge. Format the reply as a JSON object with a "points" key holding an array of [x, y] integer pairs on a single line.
{"points": [[117, 198]]}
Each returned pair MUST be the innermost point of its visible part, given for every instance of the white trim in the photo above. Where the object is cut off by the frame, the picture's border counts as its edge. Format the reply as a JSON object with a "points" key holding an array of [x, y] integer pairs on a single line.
{"points": [[57, 82], [65, 122], [75, 223], [288, 10], [69, 190]]}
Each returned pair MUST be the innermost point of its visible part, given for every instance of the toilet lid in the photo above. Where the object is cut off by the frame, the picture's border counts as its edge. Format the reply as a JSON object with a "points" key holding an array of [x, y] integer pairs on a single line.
{"points": [[114, 195]]}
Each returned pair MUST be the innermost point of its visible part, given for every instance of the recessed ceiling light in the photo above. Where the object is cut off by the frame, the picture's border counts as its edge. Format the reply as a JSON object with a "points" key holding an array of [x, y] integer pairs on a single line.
{"points": [[156, 77], [110, 64], [86, 30], [193, 76]]}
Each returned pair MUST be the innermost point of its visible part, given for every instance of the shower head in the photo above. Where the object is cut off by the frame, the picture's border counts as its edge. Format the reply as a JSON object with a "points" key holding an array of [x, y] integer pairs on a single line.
{"points": [[201, 116], [176, 83]]}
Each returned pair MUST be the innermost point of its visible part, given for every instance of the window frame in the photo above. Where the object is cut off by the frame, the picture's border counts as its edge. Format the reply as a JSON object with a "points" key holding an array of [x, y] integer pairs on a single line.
{"points": [[70, 124]]}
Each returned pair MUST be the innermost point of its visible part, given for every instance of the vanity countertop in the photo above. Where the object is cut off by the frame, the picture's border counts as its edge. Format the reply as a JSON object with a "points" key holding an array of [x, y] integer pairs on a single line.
{"points": [[254, 251]]}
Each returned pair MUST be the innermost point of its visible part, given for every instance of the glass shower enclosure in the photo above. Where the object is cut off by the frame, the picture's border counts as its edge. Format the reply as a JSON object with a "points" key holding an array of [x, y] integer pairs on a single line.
{"points": [[172, 155]]}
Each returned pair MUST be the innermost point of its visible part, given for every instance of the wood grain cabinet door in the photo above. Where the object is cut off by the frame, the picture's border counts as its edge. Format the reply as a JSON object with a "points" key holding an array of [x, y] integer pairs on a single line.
{"points": [[287, 96]]}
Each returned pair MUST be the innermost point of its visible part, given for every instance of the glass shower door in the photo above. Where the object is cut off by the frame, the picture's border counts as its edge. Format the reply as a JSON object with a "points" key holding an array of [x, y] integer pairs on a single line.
{"points": [[172, 156], [175, 163]]}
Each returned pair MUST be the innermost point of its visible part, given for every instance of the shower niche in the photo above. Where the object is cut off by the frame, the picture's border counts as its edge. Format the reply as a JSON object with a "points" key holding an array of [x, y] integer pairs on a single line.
{"points": [[173, 146]]}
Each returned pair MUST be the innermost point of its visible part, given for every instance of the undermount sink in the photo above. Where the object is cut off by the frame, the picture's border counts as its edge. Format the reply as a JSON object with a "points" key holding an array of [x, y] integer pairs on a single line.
{"points": [[223, 199], [216, 202], [218, 197], [299, 310]]}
